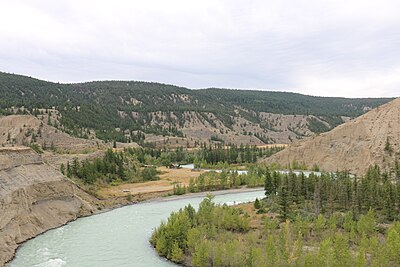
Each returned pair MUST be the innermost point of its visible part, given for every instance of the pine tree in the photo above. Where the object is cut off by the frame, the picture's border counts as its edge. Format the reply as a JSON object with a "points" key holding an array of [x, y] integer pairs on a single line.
{"points": [[201, 255], [389, 201], [268, 184], [341, 251], [69, 170], [284, 203], [62, 168], [271, 253], [325, 254], [393, 246], [361, 259], [176, 253]]}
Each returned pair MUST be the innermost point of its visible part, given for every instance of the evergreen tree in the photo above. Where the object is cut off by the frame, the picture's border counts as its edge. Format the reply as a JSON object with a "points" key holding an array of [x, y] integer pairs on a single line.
{"points": [[62, 168], [176, 253], [284, 202], [257, 204]]}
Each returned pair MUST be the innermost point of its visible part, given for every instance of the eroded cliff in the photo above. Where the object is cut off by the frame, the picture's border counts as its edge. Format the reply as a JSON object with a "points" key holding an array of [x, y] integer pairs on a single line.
{"points": [[34, 197]]}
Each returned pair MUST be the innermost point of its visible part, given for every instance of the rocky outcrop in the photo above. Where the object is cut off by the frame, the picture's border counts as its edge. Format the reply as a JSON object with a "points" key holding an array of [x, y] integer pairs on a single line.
{"points": [[34, 197], [370, 139]]}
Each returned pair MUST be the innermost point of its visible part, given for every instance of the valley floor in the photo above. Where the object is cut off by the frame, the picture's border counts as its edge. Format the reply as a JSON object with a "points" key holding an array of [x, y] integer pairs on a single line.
{"points": [[168, 177]]}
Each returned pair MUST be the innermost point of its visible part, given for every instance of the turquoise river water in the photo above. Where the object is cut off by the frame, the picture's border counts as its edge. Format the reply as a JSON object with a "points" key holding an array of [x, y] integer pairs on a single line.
{"points": [[116, 238]]}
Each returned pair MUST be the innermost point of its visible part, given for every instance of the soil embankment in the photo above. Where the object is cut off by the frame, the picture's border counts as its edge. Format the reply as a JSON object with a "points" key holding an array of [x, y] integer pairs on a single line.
{"points": [[34, 197]]}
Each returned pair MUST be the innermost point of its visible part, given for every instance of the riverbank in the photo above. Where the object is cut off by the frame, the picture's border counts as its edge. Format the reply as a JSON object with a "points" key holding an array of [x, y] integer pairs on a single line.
{"points": [[157, 197], [205, 193], [146, 199], [119, 237], [35, 197]]}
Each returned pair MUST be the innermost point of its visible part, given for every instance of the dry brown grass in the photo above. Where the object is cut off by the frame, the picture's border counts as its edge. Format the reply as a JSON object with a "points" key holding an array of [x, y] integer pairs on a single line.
{"points": [[256, 220], [168, 178]]}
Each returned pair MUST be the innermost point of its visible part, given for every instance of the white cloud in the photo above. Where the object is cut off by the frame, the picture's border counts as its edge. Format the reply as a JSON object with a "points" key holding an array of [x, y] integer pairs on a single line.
{"points": [[368, 84], [295, 45]]}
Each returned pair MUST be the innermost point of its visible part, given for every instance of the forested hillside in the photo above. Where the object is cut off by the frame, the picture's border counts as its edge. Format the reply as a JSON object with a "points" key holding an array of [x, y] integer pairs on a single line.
{"points": [[124, 110]]}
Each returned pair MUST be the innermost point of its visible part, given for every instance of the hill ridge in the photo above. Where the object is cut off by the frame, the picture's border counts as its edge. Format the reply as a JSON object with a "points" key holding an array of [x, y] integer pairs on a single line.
{"points": [[372, 138], [126, 111]]}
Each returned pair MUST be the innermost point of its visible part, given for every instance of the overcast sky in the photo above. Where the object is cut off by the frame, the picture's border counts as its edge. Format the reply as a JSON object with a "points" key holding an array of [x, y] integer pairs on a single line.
{"points": [[347, 48]]}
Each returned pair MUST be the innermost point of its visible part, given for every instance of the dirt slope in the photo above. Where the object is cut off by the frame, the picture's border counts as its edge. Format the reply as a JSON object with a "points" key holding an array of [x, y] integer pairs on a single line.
{"points": [[25, 129], [203, 127], [353, 146], [34, 197]]}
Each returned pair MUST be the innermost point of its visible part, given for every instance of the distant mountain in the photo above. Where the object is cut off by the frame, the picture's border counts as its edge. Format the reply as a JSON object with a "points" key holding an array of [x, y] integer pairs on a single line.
{"points": [[131, 111], [373, 138]]}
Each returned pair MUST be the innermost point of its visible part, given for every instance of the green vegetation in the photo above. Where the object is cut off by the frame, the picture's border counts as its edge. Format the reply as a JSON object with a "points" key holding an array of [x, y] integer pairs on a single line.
{"points": [[113, 167], [290, 194], [327, 220], [121, 110], [221, 157], [257, 204], [211, 181], [139, 165], [221, 236], [186, 228], [295, 165], [36, 148], [317, 126], [161, 157], [388, 147]]}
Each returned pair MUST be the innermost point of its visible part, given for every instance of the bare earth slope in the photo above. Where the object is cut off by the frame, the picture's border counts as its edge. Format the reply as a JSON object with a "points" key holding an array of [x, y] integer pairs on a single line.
{"points": [[353, 146], [202, 127], [22, 129], [34, 197]]}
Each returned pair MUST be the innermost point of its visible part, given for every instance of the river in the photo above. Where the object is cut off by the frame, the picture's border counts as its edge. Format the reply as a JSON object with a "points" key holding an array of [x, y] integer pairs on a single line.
{"points": [[297, 172], [116, 238]]}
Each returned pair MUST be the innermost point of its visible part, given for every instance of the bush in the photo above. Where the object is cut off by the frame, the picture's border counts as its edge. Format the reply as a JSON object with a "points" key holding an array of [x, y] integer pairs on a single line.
{"points": [[37, 148], [261, 211], [150, 174]]}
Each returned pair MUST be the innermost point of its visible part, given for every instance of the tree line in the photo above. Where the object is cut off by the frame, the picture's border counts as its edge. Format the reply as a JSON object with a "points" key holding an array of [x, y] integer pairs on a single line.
{"points": [[339, 192], [113, 167], [208, 156]]}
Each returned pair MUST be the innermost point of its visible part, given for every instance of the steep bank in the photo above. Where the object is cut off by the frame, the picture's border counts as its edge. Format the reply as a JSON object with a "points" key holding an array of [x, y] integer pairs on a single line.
{"points": [[370, 139], [34, 197]]}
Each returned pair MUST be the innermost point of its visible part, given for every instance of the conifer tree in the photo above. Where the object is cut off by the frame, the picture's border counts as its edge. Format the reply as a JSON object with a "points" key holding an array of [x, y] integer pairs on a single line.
{"points": [[283, 202]]}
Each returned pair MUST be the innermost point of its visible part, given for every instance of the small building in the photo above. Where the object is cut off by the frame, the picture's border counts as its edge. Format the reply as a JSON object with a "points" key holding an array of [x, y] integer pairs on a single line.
{"points": [[175, 166]]}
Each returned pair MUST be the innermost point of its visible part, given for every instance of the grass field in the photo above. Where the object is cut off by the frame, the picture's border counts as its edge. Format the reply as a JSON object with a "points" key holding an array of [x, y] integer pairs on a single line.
{"points": [[168, 177]]}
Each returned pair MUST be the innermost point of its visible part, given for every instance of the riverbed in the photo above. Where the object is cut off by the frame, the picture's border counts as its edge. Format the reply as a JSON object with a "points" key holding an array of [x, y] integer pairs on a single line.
{"points": [[116, 238]]}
